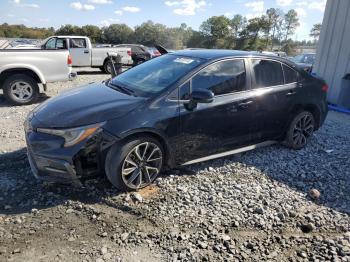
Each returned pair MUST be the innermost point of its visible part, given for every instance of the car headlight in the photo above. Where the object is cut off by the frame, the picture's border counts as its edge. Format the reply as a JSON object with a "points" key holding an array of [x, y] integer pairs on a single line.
{"points": [[72, 136]]}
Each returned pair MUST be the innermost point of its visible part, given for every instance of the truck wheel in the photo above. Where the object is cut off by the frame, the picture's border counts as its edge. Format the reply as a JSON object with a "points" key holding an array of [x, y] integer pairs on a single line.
{"points": [[107, 67], [300, 130], [21, 89], [134, 164]]}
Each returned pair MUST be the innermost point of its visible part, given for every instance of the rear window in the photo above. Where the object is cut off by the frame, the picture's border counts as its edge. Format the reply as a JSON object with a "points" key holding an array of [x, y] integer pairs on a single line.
{"points": [[77, 43], [267, 73]]}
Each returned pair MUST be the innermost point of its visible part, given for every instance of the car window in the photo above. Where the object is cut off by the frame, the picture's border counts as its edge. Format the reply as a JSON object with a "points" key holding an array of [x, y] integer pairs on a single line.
{"points": [[267, 73], [61, 44], [290, 75], [51, 44], [221, 78], [77, 43], [309, 59]]}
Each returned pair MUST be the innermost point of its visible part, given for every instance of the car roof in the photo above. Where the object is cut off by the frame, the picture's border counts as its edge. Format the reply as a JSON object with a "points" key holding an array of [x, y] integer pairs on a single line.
{"points": [[212, 54]]}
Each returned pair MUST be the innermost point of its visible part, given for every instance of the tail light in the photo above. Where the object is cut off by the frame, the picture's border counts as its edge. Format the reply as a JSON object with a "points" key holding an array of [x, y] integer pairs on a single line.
{"points": [[69, 60], [129, 53], [325, 88]]}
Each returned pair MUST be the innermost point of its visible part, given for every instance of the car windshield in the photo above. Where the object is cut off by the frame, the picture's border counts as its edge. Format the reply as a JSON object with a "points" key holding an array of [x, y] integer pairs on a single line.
{"points": [[156, 75]]}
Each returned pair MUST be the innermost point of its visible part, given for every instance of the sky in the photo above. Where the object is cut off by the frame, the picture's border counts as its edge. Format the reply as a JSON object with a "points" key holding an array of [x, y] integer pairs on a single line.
{"points": [[47, 13]]}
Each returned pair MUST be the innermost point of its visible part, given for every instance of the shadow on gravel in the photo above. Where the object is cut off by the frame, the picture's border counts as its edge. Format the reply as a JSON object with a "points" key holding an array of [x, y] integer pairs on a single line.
{"points": [[98, 72], [20, 192], [300, 170], [5, 103]]}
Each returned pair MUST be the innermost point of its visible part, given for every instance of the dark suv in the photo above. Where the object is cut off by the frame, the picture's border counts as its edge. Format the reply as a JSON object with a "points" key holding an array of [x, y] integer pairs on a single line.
{"points": [[180, 108], [139, 53]]}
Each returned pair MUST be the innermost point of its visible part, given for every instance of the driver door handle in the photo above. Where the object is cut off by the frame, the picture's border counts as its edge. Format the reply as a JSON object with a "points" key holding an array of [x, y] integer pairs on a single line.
{"points": [[245, 104], [291, 93]]}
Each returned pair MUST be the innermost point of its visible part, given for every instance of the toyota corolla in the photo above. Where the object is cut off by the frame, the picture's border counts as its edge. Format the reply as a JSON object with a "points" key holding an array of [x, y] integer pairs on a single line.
{"points": [[177, 109]]}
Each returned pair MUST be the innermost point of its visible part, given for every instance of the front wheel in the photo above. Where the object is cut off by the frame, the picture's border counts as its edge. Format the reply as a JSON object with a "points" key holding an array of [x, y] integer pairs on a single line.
{"points": [[21, 89], [135, 164], [107, 67], [300, 130]]}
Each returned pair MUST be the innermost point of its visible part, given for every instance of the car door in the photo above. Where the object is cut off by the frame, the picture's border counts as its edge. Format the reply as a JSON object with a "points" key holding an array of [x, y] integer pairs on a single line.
{"points": [[223, 124], [276, 90], [79, 52]]}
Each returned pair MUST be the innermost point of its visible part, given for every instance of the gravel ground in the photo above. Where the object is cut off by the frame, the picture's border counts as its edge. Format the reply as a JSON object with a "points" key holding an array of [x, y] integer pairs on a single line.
{"points": [[249, 207]]}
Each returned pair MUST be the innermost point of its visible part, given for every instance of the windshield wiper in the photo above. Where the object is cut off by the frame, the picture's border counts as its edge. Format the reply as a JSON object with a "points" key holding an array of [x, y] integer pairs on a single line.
{"points": [[121, 88]]}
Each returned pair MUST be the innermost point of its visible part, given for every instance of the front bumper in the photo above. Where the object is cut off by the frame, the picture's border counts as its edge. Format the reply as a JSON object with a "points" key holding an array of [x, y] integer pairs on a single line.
{"points": [[51, 161]]}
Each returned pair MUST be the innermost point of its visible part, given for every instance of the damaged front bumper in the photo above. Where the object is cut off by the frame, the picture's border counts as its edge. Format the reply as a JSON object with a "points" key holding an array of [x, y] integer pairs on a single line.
{"points": [[51, 161]]}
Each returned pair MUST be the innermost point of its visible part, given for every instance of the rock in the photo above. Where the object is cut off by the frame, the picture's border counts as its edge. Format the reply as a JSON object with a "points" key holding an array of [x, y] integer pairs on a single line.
{"points": [[307, 228], [202, 244], [314, 194], [137, 197], [259, 210], [69, 211], [124, 236], [17, 250]]}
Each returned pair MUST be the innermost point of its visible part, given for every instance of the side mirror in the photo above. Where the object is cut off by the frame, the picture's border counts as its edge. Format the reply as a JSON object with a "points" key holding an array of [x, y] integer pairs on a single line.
{"points": [[202, 96]]}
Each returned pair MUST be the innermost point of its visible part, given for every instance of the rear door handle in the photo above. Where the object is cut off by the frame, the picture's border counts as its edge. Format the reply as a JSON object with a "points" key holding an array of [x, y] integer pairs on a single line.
{"points": [[291, 93], [86, 51], [245, 104]]}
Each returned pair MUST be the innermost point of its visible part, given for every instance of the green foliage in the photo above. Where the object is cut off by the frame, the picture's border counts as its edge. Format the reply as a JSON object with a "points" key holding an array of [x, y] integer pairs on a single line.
{"points": [[116, 34], [316, 31], [21, 31]]}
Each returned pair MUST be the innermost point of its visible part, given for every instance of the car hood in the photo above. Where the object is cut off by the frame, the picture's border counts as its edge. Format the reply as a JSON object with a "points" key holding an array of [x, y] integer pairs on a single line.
{"points": [[85, 105]]}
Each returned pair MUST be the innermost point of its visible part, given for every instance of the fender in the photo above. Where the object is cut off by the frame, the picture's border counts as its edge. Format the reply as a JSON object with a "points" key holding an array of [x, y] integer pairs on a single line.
{"points": [[24, 66]]}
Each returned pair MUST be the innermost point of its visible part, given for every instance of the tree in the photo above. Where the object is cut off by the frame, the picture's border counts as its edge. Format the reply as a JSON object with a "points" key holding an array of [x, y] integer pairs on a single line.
{"points": [[316, 31], [275, 19], [150, 34], [69, 30], [291, 22], [217, 29], [117, 34], [93, 32], [254, 27]]}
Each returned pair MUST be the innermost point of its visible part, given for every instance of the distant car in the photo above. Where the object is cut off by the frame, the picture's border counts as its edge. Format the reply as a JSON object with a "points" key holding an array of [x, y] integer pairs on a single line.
{"points": [[181, 108], [154, 52], [281, 54], [139, 53], [305, 61]]}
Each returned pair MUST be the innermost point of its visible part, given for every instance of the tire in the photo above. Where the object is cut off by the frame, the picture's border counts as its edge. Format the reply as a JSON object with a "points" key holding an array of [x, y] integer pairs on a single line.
{"points": [[21, 89], [300, 130], [123, 166], [107, 67]]}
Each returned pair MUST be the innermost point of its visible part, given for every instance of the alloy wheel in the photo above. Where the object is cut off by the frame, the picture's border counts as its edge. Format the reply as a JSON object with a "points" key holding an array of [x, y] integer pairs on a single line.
{"points": [[142, 165], [21, 91], [303, 130]]}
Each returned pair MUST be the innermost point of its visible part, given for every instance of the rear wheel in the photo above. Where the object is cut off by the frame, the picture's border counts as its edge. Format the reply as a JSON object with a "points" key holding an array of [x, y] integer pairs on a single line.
{"points": [[135, 164], [107, 67], [21, 89], [300, 130]]}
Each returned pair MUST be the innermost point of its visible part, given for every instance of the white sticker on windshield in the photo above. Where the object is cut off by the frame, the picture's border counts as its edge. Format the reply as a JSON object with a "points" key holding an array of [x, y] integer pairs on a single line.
{"points": [[183, 60]]}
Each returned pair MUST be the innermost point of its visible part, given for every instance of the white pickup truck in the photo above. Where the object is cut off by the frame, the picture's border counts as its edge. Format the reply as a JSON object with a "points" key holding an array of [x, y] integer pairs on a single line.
{"points": [[22, 71], [84, 55]]}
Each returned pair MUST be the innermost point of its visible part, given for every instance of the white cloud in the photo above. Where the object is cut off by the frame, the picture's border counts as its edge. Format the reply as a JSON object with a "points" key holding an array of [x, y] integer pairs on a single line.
{"points": [[82, 7], [118, 12], [186, 7], [100, 2], [109, 21], [300, 11], [302, 3], [256, 6], [20, 4], [284, 2], [253, 15], [10, 15], [131, 9], [318, 5]]}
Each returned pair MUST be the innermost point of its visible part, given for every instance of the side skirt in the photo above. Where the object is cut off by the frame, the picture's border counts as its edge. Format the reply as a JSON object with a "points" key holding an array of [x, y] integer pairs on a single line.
{"points": [[231, 152]]}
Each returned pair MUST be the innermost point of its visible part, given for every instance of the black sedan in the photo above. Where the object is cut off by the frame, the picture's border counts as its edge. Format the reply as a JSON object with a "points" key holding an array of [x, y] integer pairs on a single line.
{"points": [[177, 109]]}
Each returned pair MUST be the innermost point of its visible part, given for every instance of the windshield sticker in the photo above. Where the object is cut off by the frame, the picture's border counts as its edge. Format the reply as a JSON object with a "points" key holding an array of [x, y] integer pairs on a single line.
{"points": [[183, 60]]}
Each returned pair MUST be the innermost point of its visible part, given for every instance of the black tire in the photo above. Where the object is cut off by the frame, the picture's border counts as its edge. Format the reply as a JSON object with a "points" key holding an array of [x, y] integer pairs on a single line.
{"points": [[107, 67], [14, 83], [300, 130], [118, 158]]}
